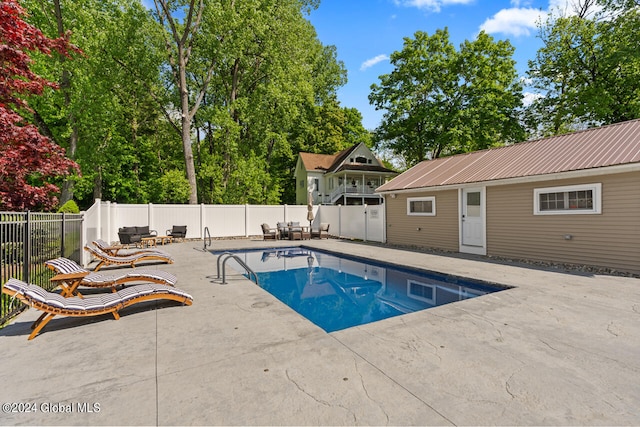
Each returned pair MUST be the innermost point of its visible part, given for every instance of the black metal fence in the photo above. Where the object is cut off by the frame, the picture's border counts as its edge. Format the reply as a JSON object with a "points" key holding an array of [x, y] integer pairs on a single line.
{"points": [[27, 240]]}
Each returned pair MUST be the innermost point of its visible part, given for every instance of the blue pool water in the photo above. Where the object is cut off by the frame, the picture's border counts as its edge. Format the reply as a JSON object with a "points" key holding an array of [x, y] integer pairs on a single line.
{"points": [[338, 292]]}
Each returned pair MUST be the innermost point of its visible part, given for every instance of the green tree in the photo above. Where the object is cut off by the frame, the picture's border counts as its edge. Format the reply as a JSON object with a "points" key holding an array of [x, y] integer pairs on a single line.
{"points": [[330, 128], [440, 101], [106, 107], [270, 80], [29, 161], [180, 41], [259, 87], [587, 72]]}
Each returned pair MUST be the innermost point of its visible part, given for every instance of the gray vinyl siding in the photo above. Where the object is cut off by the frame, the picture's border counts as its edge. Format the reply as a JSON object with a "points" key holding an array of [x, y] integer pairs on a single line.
{"points": [[610, 239], [440, 231]]}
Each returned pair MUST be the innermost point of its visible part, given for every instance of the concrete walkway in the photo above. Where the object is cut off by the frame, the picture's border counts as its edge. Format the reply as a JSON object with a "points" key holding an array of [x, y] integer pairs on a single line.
{"points": [[559, 349]]}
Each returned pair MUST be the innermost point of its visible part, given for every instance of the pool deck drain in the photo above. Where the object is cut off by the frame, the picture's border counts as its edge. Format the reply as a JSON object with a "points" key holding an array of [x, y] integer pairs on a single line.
{"points": [[559, 349]]}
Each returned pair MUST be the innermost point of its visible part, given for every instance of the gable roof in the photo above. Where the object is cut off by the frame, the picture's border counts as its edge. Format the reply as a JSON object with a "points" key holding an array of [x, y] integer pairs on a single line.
{"points": [[313, 161], [610, 145], [335, 162]]}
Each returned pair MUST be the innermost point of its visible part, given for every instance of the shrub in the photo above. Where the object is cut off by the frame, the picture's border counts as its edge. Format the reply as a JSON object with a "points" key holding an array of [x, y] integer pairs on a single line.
{"points": [[69, 207]]}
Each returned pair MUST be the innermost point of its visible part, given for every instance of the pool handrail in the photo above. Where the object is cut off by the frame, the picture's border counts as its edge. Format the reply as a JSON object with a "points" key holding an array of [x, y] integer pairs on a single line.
{"points": [[239, 261], [206, 235]]}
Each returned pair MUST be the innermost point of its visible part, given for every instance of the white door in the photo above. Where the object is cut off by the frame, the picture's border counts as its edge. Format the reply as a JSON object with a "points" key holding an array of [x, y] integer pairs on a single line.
{"points": [[472, 225]]}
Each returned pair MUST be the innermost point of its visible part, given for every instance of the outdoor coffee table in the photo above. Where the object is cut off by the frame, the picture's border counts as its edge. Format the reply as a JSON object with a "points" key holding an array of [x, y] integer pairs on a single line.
{"points": [[299, 232], [148, 241], [164, 239]]}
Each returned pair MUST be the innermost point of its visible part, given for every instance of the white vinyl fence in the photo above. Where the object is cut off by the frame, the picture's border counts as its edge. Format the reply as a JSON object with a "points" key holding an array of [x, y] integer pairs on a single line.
{"points": [[103, 219]]}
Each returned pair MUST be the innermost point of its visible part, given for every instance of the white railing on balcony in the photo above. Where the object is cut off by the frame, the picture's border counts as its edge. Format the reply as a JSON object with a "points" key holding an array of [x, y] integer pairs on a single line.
{"points": [[352, 190]]}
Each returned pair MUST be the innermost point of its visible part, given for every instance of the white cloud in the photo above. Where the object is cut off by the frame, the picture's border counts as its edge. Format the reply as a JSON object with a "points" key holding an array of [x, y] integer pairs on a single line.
{"points": [[522, 20], [373, 61], [431, 5], [530, 97], [520, 3], [514, 21]]}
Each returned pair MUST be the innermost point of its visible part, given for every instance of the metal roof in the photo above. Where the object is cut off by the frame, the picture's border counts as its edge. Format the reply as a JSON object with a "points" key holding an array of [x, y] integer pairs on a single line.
{"points": [[610, 145]]}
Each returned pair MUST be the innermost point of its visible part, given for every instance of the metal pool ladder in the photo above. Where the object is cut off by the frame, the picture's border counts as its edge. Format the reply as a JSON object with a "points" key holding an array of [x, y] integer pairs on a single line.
{"points": [[207, 238], [227, 256]]}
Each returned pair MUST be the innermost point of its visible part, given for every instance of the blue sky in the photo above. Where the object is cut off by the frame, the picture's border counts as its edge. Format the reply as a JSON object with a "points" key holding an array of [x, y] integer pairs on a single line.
{"points": [[366, 32]]}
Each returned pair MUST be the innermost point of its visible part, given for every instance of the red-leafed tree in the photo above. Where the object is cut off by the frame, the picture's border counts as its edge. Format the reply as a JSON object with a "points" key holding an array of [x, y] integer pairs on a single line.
{"points": [[29, 161]]}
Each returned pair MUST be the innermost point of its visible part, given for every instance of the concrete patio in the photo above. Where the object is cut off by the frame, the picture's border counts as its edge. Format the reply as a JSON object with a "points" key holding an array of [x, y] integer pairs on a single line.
{"points": [[559, 349]]}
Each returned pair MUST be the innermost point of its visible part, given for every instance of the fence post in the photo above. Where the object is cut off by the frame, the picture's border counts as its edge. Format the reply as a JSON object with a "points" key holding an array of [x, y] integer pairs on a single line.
{"points": [[64, 219], [202, 220], [83, 241], [366, 223], [150, 216], [26, 247]]}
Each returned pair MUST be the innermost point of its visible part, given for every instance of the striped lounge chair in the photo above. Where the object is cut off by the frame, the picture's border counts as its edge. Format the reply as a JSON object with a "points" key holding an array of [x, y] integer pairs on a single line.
{"points": [[115, 250], [65, 267], [53, 304], [106, 259]]}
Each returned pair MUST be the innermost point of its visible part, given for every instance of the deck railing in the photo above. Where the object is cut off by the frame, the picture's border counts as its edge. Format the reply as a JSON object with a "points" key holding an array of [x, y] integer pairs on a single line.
{"points": [[27, 240], [357, 189]]}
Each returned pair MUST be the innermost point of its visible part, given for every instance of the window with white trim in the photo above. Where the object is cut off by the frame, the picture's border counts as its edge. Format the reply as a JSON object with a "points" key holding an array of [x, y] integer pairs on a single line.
{"points": [[424, 206], [572, 199]]}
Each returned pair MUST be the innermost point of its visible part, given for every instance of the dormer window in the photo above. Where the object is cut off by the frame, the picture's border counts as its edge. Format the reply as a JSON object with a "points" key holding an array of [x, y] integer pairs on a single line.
{"points": [[361, 159]]}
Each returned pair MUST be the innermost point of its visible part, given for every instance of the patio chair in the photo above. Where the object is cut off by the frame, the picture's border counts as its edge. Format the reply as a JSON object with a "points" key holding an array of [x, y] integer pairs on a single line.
{"points": [[106, 259], [115, 250], [178, 232], [69, 273], [322, 232], [283, 230], [52, 304], [268, 232]]}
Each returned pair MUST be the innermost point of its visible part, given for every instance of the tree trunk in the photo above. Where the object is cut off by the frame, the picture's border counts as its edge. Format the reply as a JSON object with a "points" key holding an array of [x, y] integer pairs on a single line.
{"points": [[97, 185], [186, 131], [69, 183], [65, 86]]}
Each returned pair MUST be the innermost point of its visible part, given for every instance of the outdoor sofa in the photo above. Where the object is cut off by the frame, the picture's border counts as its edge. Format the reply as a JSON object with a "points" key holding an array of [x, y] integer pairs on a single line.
{"points": [[133, 235]]}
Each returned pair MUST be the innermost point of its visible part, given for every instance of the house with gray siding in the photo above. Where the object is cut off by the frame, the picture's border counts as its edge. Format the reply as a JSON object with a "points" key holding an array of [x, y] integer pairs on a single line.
{"points": [[572, 198]]}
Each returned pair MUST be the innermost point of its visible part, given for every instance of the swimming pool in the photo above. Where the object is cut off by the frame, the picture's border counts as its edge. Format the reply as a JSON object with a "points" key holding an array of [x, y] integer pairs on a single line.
{"points": [[337, 292]]}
